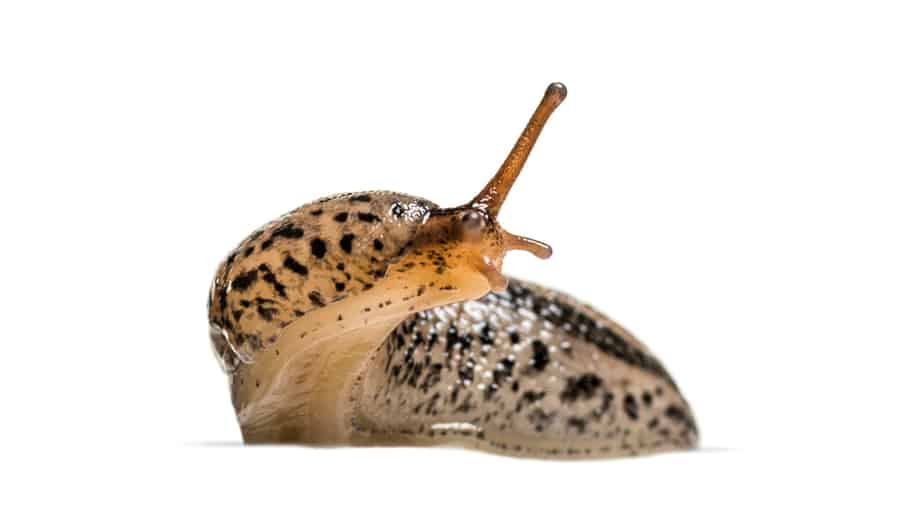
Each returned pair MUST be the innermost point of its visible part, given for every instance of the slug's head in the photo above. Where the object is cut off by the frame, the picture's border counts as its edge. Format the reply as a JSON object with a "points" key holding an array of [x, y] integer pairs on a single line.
{"points": [[470, 235], [469, 239]]}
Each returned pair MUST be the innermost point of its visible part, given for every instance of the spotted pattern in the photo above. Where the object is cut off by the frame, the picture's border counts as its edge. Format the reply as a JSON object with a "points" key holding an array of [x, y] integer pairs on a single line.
{"points": [[302, 261], [526, 371]]}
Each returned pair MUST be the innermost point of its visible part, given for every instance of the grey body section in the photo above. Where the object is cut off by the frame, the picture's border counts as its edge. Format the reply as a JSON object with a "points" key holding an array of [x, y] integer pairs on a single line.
{"points": [[530, 371]]}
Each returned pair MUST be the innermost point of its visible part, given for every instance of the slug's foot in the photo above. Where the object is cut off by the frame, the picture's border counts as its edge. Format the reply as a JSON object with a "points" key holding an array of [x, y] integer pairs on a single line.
{"points": [[612, 444]]}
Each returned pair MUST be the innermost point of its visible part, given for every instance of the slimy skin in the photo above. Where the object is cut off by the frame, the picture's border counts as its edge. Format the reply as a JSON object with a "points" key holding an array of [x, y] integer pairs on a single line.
{"points": [[527, 371], [378, 318]]}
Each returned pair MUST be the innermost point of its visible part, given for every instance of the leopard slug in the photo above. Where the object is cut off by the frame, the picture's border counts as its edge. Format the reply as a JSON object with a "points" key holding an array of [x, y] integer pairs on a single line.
{"points": [[378, 318]]}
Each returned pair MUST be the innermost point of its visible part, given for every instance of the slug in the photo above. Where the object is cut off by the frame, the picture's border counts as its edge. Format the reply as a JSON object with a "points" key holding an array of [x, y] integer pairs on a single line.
{"points": [[378, 318]]}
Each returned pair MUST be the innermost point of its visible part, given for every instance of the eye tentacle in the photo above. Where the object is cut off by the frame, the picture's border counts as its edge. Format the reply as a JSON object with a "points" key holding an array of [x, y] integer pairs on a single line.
{"points": [[493, 195]]}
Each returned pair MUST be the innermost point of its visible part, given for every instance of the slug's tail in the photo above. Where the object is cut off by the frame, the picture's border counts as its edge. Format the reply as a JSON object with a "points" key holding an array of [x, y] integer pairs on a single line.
{"points": [[528, 372]]}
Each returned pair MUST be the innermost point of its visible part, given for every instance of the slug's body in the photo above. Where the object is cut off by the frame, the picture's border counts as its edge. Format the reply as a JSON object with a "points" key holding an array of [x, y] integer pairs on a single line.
{"points": [[380, 318]]}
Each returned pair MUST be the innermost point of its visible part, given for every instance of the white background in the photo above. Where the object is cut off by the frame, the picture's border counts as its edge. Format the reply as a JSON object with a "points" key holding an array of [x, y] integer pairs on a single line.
{"points": [[722, 179]]}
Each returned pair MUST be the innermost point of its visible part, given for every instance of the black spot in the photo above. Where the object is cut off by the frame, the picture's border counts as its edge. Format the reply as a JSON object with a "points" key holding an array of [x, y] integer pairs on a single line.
{"points": [[378, 244], [466, 406], [316, 298], [291, 264], [530, 396], [266, 313], [678, 414], [466, 373], [270, 278], [631, 407], [432, 378], [486, 335], [541, 356], [341, 217], [582, 387], [339, 286], [452, 337], [287, 231], [249, 251], [578, 424], [242, 282], [674, 413], [318, 248], [347, 243], [647, 397], [253, 340], [397, 209], [540, 419], [361, 198], [316, 213], [514, 337], [223, 301], [368, 217], [598, 412], [503, 371]]}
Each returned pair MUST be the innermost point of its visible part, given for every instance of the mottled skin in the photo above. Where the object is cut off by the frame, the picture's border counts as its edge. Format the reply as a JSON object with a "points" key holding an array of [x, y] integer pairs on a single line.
{"points": [[311, 257], [527, 371], [365, 319]]}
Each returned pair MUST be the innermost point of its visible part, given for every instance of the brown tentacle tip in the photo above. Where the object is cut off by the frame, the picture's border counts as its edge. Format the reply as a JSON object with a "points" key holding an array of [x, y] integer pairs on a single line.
{"points": [[558, 90]]}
